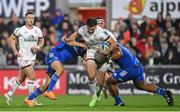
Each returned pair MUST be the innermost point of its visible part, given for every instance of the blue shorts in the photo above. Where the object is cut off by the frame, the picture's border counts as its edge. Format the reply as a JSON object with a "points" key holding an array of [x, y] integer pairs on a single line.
{"points": [[134, 73], [61, 56]]}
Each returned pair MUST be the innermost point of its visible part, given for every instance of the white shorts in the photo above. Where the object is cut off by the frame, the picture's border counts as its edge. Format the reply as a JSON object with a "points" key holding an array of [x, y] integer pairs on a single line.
{"points": [[90, 54], [24, 63], [107, 66]]}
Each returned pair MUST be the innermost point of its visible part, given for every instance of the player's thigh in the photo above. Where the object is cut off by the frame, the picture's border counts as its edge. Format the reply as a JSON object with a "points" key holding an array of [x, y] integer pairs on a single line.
{"points": [[91, 68], [139, 81], [57, 66], [22, 76], [29, 71], [101, 77]]}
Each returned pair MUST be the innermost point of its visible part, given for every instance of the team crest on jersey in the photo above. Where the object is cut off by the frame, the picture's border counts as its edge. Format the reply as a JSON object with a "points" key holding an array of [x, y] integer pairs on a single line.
{"points": [[106, 33]]}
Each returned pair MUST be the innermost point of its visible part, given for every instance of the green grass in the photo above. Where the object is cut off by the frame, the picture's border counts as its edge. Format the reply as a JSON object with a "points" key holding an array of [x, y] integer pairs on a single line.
{"points": [[80, 103]]}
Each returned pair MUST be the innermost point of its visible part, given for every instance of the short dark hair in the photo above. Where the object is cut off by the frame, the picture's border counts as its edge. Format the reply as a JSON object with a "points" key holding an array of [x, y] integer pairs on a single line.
{"points": [[91, 22], [29, 12]]}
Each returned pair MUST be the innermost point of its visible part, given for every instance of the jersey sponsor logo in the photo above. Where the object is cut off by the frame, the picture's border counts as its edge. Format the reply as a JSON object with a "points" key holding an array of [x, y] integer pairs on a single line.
{"points": [[31, 38]]}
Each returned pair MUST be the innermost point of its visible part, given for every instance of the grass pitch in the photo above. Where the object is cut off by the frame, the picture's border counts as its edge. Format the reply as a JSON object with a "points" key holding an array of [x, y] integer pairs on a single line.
{"points": [[80, 103]]}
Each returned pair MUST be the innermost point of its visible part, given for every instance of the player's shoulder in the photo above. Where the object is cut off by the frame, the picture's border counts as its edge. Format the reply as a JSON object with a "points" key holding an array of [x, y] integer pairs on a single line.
{"points": [[18, 29], [83, 27], [102, 31], [36, 28]]}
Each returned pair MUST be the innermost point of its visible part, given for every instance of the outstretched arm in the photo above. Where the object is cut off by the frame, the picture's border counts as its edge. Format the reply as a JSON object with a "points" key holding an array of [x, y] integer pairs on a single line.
{"points": [[72, 42]]}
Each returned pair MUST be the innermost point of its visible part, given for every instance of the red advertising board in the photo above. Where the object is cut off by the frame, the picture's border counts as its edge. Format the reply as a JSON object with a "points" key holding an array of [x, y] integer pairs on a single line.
{"points": [[7, 77]]}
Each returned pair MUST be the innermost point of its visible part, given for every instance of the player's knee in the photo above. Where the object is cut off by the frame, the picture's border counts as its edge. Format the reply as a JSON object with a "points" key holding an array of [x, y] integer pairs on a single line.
{"points": [[19, 80], [91, 79], [60, 70], [140, 86], [110, 81], [32, 78]]}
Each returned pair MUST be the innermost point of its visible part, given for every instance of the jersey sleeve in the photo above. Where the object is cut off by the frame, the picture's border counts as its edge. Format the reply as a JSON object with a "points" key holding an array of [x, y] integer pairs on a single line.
{"points": [[80, 31], [40, 33], [16, 32], [104, 35]]}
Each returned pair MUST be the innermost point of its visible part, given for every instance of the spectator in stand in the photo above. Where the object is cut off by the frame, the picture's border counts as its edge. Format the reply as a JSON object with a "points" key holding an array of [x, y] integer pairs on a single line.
{"points": [[3, 59], [143, 25], [124, 34], [11, 60], [13, 23], [169, 27], [146, 48], [152, 28], [79, 20], [129, 21], [135, 31], [168, 18], [160, 21], [58, 18], [65, 29], [3, 26], [46, 19]]}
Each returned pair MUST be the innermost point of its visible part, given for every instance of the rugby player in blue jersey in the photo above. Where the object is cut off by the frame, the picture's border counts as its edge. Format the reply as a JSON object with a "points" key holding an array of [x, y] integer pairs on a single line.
{"points": [[55, 60], [131, 69]]}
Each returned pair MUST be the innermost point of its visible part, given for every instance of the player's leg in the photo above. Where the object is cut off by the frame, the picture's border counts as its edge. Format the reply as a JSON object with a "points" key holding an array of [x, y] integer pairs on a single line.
{"points": [[29, 71], [91, 69], [142, 85], [111, 83], [59, 69], [15, 85], [100, 79], [29, 100]]}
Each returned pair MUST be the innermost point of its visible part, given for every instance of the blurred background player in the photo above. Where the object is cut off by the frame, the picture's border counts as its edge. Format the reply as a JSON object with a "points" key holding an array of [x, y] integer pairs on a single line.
{"points": [[92, 34], [30, 40], [131, 69], [55, 60]]}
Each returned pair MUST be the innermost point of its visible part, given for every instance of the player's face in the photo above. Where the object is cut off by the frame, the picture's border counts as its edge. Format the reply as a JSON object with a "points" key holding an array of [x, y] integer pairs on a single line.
{"points": [[91, 30], [29, 19]]}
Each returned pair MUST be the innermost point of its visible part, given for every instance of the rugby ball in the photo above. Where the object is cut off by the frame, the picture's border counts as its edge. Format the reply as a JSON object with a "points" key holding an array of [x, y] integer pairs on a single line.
{"points": [[104, 46]]}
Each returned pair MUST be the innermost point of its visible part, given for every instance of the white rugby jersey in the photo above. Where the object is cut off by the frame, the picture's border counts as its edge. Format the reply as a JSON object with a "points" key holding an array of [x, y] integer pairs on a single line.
{"points": [[93, 40], [27, 39], [111, 35]]}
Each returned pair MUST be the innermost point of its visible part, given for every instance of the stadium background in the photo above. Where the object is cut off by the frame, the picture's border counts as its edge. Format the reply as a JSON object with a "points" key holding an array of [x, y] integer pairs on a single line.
{"points": [[149, 28]]}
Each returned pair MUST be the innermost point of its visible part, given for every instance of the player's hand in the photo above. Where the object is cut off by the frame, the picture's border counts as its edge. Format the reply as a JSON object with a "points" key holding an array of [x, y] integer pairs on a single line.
{"points": [[34, 49], [17, 54], [63, 38]]}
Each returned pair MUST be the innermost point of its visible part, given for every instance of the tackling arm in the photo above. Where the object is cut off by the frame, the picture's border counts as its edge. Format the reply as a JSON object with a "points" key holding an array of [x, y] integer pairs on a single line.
{"points": [[72, 42]]}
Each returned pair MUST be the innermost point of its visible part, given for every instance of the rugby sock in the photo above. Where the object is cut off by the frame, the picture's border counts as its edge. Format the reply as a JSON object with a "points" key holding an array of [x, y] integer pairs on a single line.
{"points": [[15, 85], [30, 85], [99, 90], [53, 81], [36, 93], [118, 99], [160, 91], [92, 86]]}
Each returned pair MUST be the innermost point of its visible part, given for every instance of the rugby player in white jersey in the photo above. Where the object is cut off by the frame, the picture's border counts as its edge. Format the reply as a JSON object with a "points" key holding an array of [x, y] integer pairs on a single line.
{"points": [[101, 73], [30, 40], [92, 35]]}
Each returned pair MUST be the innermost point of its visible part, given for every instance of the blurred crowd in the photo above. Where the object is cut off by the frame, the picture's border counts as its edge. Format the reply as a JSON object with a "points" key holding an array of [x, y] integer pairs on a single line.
{"points": [[153, 41]]}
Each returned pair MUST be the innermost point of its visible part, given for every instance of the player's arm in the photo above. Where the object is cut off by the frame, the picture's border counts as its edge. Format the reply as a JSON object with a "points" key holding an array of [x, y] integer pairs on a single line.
{"points": [[71, 40], [40, 45], [112, 45], [12, 40]]}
